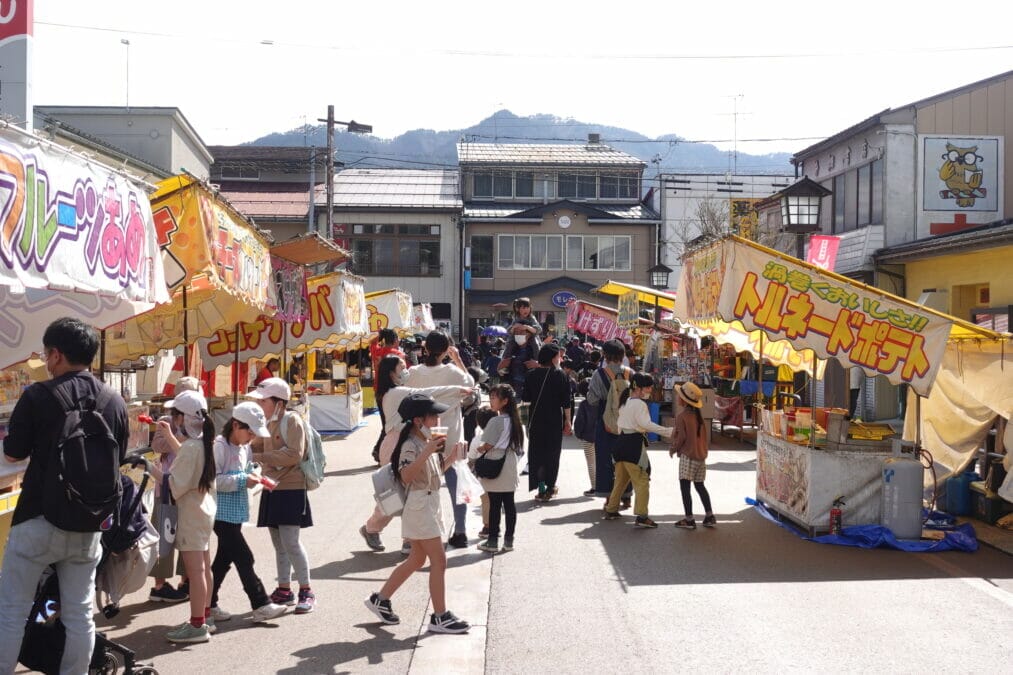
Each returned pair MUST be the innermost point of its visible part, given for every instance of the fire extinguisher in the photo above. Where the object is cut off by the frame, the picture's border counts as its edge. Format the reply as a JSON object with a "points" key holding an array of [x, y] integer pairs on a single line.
{"points": [[836, 515]]}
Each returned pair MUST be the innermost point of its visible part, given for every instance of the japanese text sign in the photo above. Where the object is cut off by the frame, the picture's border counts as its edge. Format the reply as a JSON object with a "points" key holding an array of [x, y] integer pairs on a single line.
{"points": [[812, 309], [823, 251], [629, 310]]}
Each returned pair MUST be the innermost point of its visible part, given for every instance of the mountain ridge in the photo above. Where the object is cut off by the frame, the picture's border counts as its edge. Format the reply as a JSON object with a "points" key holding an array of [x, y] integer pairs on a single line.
{"points": [[438, 149]]}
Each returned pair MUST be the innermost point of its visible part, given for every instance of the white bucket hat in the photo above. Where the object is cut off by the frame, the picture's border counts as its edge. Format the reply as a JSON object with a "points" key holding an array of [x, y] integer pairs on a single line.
{"points": [[189, 403], [272, 387], [251, 415]]}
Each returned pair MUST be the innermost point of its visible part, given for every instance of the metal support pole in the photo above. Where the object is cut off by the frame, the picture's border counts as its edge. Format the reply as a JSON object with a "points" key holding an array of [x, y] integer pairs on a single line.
{"points": [[235, 366], [186, 337], [329, 172]]}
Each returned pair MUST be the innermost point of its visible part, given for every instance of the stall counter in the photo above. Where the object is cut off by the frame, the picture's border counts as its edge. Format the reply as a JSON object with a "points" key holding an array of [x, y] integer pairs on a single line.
{"points": [[334, 413], [801, 483]]}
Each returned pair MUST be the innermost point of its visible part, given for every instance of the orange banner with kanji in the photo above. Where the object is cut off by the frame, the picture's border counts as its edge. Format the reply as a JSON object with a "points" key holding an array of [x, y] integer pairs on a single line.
{"points": [[812, 309]]}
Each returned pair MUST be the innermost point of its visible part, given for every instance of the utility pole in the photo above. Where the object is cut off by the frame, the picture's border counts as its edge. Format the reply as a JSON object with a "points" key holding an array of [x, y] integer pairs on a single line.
{"points": [[329, 172]]}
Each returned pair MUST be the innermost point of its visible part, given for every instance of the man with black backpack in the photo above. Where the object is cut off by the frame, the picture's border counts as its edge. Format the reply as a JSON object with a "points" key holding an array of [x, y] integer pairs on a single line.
{"points": [[74, 429]]}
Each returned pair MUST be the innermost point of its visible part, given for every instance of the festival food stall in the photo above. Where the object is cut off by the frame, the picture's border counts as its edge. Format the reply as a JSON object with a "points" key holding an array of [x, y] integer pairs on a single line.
{"points": [[336, 318], [90, 253], [803, 468], [218, 272]]}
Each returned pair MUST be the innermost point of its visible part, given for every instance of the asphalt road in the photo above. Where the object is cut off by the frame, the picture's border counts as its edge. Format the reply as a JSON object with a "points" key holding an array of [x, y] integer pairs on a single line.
{"points": [[579, 594]]}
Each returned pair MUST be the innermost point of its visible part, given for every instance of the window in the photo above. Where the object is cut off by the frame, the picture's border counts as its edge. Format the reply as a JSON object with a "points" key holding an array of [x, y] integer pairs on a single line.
{"points": [[483, 185], [502, 184], [603, 252], [876, 207], [525, 184], [529, 252], [621, 186], [396, 250], [481, 257], [587, 186], [839, 196], [864, 202], [567, 185], [239, 173]]}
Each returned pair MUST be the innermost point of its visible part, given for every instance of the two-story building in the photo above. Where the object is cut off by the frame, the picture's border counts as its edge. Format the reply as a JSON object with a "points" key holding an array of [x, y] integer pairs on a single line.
{"points": [[273, 185], [403, 228], [918, 200], [550, 222]]}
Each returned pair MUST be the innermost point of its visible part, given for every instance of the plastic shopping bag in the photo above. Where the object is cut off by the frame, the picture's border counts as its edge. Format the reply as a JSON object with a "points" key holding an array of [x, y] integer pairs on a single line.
{"points": [[469, 489]]}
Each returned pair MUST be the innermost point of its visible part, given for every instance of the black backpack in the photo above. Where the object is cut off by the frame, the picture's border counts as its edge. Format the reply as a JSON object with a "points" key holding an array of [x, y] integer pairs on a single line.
{"points": [[82, 482]]}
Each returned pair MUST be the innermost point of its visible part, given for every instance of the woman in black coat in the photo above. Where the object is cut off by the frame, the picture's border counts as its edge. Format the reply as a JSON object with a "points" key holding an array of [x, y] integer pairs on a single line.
{"points": [[547, 390]]}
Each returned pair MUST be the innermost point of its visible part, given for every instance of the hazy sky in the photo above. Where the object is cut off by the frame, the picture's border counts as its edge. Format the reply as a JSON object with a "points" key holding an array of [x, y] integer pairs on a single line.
{"points": [[795, 71]]}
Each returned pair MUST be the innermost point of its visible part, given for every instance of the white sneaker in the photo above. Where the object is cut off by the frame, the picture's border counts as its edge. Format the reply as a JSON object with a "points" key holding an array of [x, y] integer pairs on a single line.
{"points": [[267, 612], [219, 614], [210, 623]]}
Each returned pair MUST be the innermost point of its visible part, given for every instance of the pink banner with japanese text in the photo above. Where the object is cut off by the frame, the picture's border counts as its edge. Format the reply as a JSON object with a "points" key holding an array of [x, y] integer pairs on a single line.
{"points": [[814, 309], [598, 322]]}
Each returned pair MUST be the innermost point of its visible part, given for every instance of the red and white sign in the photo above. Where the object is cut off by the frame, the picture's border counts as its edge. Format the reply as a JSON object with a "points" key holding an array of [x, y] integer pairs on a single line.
{"points": [[16, 25], [823, 251]]}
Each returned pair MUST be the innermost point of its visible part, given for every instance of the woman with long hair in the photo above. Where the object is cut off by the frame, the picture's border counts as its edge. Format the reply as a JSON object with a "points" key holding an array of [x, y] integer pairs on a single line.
{"points": [[632, 462], [192, 483], [548, 391], [392, 373], [418, 460], [285, 510], [433, 372], [502, 438], [690, 442]]}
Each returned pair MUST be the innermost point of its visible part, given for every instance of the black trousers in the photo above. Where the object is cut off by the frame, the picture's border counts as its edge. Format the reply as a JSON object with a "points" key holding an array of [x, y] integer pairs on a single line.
{"points": [[502, 501], [233, 550]]}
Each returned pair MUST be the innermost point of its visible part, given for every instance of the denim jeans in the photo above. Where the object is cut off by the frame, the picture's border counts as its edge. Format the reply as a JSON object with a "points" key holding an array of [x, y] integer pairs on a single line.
{"points": [[31, 546], [460, 510]]}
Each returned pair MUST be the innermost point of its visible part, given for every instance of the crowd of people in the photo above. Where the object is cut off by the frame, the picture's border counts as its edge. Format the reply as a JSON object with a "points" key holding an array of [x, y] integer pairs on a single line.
{"points": [[432, 418]]}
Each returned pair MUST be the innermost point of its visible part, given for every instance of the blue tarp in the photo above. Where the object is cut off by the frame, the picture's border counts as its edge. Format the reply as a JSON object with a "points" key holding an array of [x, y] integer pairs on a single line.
{"points": [[957, 538]]}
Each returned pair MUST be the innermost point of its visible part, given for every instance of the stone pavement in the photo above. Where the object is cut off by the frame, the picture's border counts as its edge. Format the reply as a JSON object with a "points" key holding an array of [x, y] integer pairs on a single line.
{"points": [[581, 594]]}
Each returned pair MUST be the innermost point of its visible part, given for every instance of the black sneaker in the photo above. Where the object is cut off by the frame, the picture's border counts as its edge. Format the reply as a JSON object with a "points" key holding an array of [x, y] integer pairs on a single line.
{"points": [[508, 543], [491, 545], [612, 515], [382, 609], [686, 524], [644, 521], [710, 521], [447, 623], [459, 540], [167, 594], [483, 533], [590, 493]]}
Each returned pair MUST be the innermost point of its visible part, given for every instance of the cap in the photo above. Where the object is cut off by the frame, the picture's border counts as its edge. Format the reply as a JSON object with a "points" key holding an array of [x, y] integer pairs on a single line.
{"points": [[420, 405], [187, 383], [188, 403], [690, 394], [250, 414], [272, 387]]}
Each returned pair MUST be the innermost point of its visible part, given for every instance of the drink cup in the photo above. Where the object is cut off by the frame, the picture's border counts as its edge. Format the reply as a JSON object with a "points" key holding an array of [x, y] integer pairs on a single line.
{"points": [[438, 433], [268, 483]]}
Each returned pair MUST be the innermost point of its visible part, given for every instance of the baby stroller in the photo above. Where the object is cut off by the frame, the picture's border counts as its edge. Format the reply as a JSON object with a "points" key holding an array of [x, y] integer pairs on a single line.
{"points": [[129, 549]]}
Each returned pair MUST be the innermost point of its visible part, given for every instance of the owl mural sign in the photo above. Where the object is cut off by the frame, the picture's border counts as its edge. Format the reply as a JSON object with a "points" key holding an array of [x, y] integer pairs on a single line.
{"points": [[961, 173]]}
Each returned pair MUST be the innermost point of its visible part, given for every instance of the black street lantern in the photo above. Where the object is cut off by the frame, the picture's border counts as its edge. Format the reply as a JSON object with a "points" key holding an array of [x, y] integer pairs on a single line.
{"points": [[800, 206], [658, 276]]}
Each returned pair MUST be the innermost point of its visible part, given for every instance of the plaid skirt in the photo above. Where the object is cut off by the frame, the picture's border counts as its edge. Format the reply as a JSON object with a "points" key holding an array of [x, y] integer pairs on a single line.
{"points": [[692, 469]]}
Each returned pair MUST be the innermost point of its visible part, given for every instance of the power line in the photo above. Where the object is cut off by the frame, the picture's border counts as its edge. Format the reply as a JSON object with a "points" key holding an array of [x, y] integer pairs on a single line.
{"points": [[553, 55]]}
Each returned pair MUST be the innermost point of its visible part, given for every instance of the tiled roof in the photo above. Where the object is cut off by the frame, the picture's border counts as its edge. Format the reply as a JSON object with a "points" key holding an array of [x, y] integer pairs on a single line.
{"points": [[556, 154], [274, 204], [394, 188]]}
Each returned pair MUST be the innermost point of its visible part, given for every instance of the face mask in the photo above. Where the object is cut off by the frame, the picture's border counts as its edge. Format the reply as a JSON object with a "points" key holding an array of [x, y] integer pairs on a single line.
{"points": [[401, 377], [520, 339], [193, 425], [426, 432]]}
